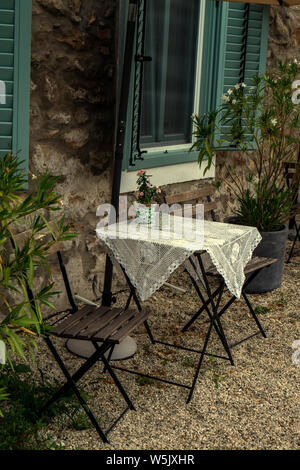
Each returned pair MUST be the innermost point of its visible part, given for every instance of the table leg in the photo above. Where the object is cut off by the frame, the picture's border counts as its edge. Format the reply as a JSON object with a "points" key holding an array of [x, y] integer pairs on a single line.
{"points": [[214, 314]]}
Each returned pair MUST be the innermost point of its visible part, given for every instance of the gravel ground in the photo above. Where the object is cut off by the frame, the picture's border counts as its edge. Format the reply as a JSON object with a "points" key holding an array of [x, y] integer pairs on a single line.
{"points": [[252, 405]]}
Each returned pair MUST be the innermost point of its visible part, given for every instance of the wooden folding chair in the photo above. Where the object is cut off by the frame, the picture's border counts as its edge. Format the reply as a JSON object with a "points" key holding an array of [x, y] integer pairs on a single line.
{"points": [[252, 269], [292, 174], [197, 196], [103, 326]]}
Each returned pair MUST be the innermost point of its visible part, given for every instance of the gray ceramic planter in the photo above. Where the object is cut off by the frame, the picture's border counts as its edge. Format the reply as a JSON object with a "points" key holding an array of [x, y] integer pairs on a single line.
{"points": [[273, 245]]}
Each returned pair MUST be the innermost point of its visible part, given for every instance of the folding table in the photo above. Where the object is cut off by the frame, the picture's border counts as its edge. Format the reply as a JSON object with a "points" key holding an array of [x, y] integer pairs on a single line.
{"points": [[149, 254]]}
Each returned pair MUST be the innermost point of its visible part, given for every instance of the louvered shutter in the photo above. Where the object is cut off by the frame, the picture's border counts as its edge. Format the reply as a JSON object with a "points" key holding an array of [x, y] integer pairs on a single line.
{"points": [[238, 33], [15, 41]]}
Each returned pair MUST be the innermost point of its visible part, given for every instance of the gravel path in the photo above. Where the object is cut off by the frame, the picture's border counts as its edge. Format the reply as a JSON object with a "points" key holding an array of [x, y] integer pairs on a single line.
{"points": [[253, 405]]}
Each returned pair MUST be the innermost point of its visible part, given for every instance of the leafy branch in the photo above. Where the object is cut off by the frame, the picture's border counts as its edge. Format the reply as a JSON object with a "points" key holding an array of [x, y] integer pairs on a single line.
{"points": [[262, 117], [21, 320]]}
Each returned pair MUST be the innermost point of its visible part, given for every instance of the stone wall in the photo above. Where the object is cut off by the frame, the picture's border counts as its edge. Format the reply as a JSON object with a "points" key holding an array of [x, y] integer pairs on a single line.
{"points": [[73, 116], [73, 84], [284, 37]]}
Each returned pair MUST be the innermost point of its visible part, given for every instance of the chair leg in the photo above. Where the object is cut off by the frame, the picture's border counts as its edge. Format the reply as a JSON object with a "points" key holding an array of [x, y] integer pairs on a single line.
{"points": [[254, 315], [73, 386], [197, 314], [215, 307], [149, 332], [199, 364], [297, 237], [76, 376], [118, 384], [114, 377], [108, 357]]}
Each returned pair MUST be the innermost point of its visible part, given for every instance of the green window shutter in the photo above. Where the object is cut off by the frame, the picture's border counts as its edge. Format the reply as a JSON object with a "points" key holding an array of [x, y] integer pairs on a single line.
{"points": [[211, 47], [232, 36], [15, 47]]}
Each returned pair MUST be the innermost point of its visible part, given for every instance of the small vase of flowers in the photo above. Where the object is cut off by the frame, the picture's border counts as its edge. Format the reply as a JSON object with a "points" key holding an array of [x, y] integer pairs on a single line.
{"points": [[147, 195]]}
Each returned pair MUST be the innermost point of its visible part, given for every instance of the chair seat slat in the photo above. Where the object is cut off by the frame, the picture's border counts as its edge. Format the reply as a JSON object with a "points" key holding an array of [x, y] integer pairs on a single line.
{"points": [[209, 206], [259, 264], [126, 329], [72, 319], [98, 325], [189, 196], [115, 324], [94, 315], [254, 264], [101, 324]]}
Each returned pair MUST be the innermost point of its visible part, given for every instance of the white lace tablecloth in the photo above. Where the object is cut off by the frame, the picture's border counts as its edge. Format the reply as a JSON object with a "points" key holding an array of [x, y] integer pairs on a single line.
{"points": [[150, 254]]}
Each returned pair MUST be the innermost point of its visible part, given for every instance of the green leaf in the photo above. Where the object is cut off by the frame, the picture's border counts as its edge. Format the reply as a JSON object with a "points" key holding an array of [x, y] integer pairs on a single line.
{"points": [[22, 369], [18, 343], [47, 303]]}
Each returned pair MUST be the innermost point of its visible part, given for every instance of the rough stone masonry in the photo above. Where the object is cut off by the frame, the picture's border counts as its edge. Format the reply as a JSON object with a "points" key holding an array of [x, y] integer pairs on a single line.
{"points": [[73, 105]]}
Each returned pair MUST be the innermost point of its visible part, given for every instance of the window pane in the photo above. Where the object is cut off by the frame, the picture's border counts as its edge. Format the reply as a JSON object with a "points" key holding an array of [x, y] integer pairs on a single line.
{"points": [[169, 80]]}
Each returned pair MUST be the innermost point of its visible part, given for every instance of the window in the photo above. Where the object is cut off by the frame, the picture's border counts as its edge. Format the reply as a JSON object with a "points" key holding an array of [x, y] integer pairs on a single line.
{"points": [[199, 49], [15, 41], [172, 40]]}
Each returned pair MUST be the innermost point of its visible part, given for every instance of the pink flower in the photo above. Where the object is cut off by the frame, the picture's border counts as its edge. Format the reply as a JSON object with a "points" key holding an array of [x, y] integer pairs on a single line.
{"points": [[149, 185], [159, 190], [141, 172], [142, 194]]}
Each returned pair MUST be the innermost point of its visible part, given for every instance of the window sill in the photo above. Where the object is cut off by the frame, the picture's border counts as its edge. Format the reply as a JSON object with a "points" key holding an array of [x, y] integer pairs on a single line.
{"points": [[159, 158], [164, 175]]}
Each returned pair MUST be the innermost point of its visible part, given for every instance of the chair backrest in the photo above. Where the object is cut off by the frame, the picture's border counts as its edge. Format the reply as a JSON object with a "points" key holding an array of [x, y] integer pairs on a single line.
{"points": [[195, 197]]}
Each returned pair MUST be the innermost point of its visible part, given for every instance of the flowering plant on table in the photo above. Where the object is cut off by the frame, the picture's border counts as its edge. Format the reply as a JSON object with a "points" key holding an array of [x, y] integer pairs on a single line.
{"points": [[146, 192]]}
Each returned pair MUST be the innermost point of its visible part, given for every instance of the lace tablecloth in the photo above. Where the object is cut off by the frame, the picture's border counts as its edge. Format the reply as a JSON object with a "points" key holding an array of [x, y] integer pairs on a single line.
{"points": [[150, 254]]}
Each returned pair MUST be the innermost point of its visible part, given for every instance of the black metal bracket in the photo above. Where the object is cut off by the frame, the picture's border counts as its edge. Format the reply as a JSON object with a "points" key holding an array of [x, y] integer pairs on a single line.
{"points": [[142, 58], [244, 42]]}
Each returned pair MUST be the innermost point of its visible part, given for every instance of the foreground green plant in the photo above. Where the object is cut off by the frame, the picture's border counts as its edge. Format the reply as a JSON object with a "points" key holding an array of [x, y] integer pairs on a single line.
{"points": [[261, 310], [217, 375], [21, 427], [21, 320]]}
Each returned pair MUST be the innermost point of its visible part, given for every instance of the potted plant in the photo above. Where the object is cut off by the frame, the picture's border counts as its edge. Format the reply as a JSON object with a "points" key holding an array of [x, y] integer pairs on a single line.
{"points": [[264, 117], [147, 195]]}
